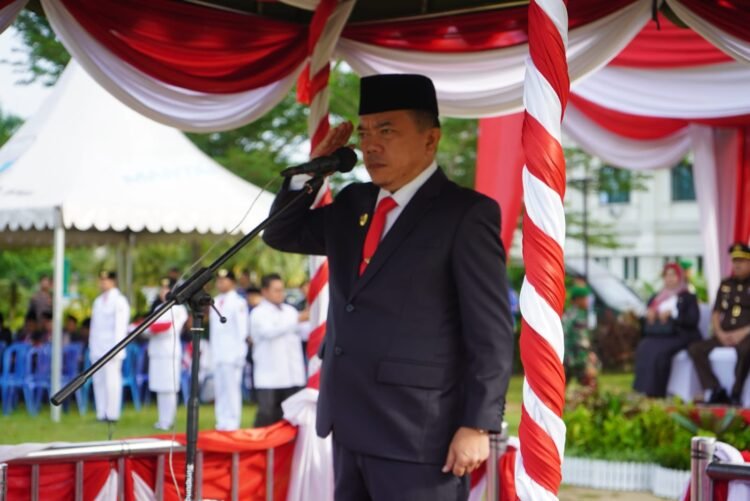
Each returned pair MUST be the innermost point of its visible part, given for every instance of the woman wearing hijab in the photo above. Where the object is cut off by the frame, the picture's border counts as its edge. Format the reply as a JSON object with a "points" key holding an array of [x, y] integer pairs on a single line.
{"points": [[671, 324]]}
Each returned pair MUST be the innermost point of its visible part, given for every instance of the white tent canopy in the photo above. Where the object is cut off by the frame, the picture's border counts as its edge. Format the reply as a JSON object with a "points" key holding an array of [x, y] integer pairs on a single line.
{"points": [[109, 170], [87, 168]]}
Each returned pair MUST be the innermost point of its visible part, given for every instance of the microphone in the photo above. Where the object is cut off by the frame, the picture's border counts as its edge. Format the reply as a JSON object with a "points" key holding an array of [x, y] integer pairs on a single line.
{"points": [[342, 160]]}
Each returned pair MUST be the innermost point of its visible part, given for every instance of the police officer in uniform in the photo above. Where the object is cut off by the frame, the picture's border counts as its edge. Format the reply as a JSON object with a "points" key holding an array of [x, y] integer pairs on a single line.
{"points": [[731, 325], [110, 316]]}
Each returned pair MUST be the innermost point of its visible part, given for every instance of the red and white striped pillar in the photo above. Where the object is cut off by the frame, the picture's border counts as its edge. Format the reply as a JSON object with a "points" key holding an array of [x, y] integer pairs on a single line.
{"points": [[546, 90]]}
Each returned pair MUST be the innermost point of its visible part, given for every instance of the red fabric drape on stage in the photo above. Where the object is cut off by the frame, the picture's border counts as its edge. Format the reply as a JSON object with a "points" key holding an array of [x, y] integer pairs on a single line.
{"points": [[732, 16], [57, 480], [742, 214], [478, 31], [668, 46], [194, 47], [499, 166], [642, 127], [252, 444]]}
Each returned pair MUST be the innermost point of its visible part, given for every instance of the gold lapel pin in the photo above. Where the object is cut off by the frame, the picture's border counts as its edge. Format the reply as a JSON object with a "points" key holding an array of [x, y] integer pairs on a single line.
{"points": [[363, 219]]}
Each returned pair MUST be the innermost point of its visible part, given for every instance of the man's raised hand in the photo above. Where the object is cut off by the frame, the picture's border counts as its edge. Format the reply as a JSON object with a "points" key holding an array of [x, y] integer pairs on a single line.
{"points": [[335, 138]]}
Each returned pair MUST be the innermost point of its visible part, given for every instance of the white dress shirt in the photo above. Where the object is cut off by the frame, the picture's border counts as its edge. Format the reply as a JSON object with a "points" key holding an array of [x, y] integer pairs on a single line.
{"points": [[228, 341], [402, 196], [277, 347], [110, 316]]}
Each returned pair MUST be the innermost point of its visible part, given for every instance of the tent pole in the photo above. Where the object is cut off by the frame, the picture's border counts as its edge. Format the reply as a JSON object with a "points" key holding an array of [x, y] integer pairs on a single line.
{"points": [[129, 268], [57, 310]]}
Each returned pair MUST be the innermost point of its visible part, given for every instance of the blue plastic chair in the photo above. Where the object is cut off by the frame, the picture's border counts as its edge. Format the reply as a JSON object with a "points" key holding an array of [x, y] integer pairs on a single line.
{"points": [[129, 371], [37, 378], [14, 371], [73, 355]]}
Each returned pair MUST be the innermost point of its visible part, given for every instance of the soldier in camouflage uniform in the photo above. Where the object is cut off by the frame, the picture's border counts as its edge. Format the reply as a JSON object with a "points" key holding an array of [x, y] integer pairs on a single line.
{"points": [[581, 363]]}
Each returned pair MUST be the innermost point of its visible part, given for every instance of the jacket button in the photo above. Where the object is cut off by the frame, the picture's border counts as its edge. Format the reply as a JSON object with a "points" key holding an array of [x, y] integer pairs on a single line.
{"points": [[349, 308], [338, 350]]}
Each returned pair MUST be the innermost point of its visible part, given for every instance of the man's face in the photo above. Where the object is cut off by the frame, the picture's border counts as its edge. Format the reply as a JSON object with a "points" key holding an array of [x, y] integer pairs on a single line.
{"points": [[395, 148], [224, 284], [274, 292], [45, 284], [254, 298], [741, 268], [106, 284]]}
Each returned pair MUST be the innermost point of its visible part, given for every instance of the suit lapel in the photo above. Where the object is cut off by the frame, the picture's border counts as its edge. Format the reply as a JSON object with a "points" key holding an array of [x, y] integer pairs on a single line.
{"points": [[412, 213]]}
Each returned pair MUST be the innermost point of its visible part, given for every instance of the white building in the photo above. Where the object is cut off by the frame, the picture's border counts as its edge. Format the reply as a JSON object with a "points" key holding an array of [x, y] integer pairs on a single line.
{"points": [[653, 225]]}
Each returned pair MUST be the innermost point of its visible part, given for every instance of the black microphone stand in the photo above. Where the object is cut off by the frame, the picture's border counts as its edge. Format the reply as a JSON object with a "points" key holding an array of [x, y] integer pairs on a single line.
{"points": [[190, 292]]}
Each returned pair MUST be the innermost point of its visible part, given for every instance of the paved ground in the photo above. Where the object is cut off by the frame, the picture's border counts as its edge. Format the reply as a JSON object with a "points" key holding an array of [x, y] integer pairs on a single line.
{"points": [[568, 493]]}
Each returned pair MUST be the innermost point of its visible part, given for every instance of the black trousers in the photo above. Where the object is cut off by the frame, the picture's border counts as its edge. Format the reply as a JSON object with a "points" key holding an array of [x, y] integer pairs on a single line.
{"points": [[360, 477], [269, 404], [700, 351]]}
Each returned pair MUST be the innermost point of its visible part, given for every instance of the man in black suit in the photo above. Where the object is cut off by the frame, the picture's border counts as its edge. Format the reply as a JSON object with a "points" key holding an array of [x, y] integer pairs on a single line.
{"points": [[418, 350]]}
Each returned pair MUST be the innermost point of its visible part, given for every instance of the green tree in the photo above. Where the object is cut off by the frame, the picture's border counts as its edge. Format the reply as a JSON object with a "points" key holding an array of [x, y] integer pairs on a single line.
{"points": [[43, 56], [8, 125]]}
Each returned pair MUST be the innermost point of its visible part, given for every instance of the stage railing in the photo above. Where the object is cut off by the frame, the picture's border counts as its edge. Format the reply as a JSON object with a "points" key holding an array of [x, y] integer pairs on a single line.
{"points": [[3, 482], [704, 469], [80, 452]]}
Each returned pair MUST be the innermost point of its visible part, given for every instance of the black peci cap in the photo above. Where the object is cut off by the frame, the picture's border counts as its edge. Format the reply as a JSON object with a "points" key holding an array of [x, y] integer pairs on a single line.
{"points": [[379, 93]]}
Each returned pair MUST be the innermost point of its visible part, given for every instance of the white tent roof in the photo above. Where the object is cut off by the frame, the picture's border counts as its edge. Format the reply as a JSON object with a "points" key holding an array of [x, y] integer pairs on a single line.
{"points": [[110, 170]]}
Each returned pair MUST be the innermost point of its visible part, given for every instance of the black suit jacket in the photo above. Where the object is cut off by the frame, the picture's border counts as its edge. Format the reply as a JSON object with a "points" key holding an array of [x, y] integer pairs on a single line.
{"points": [[422, 342]]}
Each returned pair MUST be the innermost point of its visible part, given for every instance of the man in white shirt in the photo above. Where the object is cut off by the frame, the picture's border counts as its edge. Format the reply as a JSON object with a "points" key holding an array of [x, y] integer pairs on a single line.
{"points": [[277, 351], [228, 350], [164, 355], [109, 325]]}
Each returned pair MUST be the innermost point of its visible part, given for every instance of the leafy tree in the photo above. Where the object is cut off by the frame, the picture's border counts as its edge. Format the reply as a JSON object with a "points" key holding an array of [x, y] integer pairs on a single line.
{"points": [[8, 125], [44, 57]]}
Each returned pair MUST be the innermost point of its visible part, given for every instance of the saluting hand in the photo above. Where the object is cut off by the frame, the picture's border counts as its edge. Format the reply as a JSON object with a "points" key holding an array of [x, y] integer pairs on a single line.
{"points": [[468, 449], [336, 138]]}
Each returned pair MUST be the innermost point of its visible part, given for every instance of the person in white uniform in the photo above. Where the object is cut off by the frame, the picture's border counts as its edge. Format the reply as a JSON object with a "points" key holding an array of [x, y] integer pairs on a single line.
{"points": [[228, 350], [164, 357], [110, 316], [277, 351]]}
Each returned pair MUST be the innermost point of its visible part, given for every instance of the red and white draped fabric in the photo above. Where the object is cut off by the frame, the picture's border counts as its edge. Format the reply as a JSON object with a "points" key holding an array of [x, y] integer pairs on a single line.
{"points": [[724, 23], [313, 458], [149, 54], [9, 10]]}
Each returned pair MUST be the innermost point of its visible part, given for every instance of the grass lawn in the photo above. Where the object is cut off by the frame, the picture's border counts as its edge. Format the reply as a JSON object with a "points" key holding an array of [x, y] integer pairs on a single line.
{"points": [[19, 427]]}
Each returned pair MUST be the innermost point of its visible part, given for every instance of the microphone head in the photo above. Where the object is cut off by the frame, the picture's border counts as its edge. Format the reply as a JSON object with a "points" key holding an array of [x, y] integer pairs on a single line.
{"points": [[346, 158]]}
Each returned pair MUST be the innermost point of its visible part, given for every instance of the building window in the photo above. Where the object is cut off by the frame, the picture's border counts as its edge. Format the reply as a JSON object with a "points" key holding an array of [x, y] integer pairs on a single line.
{"points": [[630, 268], [614, 185], [683, 188]]}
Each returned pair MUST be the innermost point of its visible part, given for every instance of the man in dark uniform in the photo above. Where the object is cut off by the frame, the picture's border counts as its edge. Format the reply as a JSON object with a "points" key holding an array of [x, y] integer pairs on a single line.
{"points": [[418, 350], [731, 325]]}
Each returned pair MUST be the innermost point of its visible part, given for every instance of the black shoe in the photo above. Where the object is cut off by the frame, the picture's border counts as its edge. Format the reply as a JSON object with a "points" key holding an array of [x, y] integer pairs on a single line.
{"points": [[736, 401], [719, 397]]}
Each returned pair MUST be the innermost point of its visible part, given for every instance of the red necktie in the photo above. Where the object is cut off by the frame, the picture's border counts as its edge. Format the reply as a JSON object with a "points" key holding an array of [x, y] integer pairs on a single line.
{"points": [[375, 232]]}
